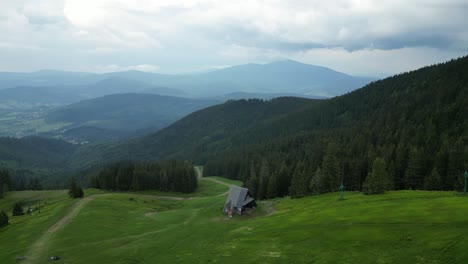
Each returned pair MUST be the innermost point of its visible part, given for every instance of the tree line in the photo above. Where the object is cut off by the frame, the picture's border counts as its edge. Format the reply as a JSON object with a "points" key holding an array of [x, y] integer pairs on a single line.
{"points": [[290, 168], [5, 182], [178, 176]]}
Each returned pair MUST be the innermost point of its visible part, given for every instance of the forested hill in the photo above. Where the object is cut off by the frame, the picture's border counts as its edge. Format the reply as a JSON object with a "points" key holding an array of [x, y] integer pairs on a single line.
{"points": [[429, 100], [416, 121], [35, 161], [204, 133]]}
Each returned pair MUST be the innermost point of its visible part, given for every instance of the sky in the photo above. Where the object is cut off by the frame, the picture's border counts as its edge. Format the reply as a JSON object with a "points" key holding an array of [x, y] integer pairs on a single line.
{"points": [[358, 37]]}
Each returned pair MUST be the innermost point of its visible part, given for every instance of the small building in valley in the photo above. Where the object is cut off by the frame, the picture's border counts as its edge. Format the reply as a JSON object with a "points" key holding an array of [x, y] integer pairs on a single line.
{"points": [[238, 200]]}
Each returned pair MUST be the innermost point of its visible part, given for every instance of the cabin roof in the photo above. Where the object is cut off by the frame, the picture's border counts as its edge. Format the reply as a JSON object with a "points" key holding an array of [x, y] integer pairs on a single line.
{"points": [[238, 197]]}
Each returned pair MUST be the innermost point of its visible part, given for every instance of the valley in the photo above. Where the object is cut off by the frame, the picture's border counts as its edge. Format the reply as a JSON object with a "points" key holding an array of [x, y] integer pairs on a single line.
{"points": [[136, 132]]}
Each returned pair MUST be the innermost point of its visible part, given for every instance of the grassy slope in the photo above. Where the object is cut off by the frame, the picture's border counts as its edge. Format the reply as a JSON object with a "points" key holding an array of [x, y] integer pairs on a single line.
{"points": [[398, 227]]}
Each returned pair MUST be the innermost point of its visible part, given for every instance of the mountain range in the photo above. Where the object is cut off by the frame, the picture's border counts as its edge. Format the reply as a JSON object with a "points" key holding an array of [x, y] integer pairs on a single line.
{"points": [[414, 120], [47, 102], [277, 77]]}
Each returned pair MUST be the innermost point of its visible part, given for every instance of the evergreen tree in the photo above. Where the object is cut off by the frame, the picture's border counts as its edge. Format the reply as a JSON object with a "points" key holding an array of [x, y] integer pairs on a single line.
{"points": [[415, 171], [432, 181], [456, 165], [316, 181], [376, 181], [283, 179], [75, 190], [331, 173], [5, 182], [272, 190], [3, 219], [263, 179], [299, 182], [17, 209], [252, 182]]}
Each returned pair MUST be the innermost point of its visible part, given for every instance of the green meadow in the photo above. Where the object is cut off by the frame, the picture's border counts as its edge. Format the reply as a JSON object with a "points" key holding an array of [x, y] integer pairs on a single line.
{"points": [[396, 227]]}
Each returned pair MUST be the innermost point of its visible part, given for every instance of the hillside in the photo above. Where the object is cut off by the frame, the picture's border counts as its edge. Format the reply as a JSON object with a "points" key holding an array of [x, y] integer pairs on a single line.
{"points": [[36, 163], [415, 121], [120, 115], [398, 227], [25, 97], [189, 137], [288, 75]]}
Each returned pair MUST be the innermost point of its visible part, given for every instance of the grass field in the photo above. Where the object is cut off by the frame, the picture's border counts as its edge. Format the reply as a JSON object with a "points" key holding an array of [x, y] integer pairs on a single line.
{"points": [[397, 227]]}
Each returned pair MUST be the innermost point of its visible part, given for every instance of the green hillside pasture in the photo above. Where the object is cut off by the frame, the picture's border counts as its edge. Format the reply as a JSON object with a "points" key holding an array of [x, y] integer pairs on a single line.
{"points": [[206, 188], [22, 231], [397, 227]]}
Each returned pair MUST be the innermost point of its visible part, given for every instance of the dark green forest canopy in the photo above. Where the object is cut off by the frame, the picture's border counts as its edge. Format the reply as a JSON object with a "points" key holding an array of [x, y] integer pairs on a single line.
{"points": [[416, 122], [178, 176]]}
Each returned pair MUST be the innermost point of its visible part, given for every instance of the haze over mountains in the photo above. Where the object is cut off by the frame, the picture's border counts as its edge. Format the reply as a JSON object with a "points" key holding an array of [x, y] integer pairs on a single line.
{"points": [[34, 103], [401, 115], [278, 77]]}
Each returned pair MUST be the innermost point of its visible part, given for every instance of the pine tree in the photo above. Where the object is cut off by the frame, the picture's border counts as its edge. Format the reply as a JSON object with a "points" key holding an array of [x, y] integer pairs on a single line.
{"points": [[414, 172], [263, 179], [252, 182], [456, 165], [299, 182], [316, 181], [331, 173], [376, 182], [17, 209], [5, 182], [75, 190], [272, 190], [283, 179], [432, 181], [3, 219]]}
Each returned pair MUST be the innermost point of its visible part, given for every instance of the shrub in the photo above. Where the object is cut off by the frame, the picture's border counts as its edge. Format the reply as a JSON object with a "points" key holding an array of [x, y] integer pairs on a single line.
{"points": [[3, 219], [18, 209]]}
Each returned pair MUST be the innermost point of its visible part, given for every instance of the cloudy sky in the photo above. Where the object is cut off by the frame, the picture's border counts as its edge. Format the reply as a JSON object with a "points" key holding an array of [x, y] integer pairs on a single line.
{"points": [[360, 37]]}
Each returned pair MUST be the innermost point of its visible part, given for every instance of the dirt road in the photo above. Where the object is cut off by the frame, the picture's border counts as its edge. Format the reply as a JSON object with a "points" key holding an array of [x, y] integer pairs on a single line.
{"points": [[40, 246]]}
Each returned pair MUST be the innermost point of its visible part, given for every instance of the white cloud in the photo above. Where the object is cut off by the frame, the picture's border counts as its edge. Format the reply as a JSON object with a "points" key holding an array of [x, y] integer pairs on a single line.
{"points": [[191, 33], [117, 68], [372, 62]]}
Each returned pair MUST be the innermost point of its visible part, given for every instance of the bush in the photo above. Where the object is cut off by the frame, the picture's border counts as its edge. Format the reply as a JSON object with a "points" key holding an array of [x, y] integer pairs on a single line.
{"points": [[75, 190], [18, 209], [3, 219]]}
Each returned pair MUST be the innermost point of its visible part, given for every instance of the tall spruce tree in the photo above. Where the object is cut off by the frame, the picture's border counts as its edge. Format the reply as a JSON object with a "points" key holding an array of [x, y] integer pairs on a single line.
{"points": [[331, 172], [252, 182], [432, 181], [3, 219], [377, 181], [5, 182], [75, 190], [299, 182], [272, 190], [263, 179], [316, 181], [17, 209], [414, 174]]}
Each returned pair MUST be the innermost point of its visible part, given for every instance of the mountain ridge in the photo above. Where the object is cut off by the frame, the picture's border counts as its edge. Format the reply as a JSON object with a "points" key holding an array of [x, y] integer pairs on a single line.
{"points": [[281, 76]]}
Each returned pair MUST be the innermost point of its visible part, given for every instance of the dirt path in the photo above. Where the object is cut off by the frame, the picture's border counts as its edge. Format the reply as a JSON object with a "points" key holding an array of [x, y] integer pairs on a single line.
{"points": [[199, 172], [215, 180], [37, 249]]}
